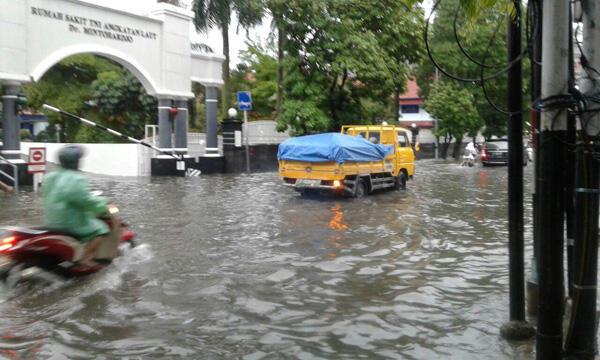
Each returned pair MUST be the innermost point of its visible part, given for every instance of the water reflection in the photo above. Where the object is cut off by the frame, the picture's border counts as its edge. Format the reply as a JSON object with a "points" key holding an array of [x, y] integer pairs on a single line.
{"points": [[482, 179], [239, 266], [337, 226]]}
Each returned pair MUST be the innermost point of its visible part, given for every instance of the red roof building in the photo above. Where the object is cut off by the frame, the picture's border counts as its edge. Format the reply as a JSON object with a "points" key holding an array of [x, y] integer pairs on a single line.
{"points": [[412, 108], [412, 112]]}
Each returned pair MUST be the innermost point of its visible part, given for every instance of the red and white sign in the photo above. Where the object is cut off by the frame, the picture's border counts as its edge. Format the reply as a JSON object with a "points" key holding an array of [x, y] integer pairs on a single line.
{"points": [[37, 160]]}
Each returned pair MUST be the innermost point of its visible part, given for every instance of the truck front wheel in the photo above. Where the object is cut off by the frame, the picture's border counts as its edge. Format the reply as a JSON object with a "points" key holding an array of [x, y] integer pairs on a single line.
{"points": [[360, 189], [400, 181]]}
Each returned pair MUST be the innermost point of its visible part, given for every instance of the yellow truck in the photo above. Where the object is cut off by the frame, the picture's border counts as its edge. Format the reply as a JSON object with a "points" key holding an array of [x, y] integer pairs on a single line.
{"points": [[391, 169]]}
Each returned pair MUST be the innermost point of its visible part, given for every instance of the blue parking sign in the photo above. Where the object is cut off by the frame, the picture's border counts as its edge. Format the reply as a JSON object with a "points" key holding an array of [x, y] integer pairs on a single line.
{"points": [[244, 100]]}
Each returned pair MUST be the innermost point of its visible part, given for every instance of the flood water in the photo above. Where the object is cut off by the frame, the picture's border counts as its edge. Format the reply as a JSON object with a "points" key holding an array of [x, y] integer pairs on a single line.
{"points": [[242, 267]]}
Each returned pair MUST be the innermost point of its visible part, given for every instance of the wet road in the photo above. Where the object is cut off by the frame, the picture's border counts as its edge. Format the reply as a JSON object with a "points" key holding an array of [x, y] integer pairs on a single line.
{"points": [[241, 267]]}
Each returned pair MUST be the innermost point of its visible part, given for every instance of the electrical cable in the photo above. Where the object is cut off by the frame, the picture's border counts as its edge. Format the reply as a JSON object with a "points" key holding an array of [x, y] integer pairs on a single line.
{"points": [[482, 79], [454, 77], [457, 40], [573, 101]]}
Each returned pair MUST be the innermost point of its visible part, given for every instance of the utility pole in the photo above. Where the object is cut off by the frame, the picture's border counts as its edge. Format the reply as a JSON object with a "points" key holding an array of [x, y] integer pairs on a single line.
{"points": [[555, 37], [569, 165], [536, 93], [581, 339], [517, 328], [437, 138]]}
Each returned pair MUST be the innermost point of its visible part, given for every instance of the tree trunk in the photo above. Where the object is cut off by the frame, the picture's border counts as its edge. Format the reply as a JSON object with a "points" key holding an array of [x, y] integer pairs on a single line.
{"points": [[280, 40], [225, 101], [444, 147], [457, 148], [396, 104], [444, 150], [332, 104]]}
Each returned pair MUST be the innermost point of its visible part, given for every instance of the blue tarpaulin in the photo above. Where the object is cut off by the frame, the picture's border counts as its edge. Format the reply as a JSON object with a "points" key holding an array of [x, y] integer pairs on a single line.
{"points": [[332, 147]]}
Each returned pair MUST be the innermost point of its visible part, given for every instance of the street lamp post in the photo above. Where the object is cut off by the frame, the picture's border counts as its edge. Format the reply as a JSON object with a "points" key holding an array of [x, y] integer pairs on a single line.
{"points": [[232, 113], [415, 132], [232, 131]]}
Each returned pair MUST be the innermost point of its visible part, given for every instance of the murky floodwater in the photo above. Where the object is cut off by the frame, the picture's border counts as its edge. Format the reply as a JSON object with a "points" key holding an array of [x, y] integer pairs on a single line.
{"points": [[239, 266]]}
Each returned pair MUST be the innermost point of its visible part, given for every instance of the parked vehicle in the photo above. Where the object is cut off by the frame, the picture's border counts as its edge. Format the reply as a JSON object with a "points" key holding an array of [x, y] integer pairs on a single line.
{"points": [[495, 152], [348, 163]]}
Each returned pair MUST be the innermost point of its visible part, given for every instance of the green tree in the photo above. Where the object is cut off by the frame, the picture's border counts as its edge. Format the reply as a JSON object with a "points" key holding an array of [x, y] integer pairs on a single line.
{"points": [[218, 13], [257, 72], [121, 97], [483, 36], [277, 9], [197, 109], [453, 107], [342, 58]]}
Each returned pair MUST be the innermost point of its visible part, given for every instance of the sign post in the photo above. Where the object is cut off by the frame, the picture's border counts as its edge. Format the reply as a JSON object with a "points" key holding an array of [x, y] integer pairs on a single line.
{"points": [[245, 104], [36, 165]]}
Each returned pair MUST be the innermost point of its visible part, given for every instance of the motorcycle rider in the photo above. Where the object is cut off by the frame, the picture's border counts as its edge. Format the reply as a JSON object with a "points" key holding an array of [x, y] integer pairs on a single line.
{"points": [[469, 155], [69, 206]]}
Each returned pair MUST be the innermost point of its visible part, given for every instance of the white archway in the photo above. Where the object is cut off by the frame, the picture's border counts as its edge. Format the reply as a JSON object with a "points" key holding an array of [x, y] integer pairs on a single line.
{"points": [[127, 61], [154, 46]]}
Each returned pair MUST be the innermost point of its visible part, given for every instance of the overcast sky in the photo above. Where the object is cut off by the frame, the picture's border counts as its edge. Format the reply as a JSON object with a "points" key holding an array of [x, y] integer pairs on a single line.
{"points": [[237, 40]]}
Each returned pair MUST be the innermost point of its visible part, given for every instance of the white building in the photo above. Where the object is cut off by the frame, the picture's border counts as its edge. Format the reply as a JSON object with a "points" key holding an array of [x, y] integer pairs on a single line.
{"points": [[413, 115]]}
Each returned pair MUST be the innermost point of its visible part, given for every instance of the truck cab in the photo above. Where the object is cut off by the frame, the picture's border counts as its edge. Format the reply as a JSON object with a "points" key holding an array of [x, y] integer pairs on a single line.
{"points": [[403, 155]]}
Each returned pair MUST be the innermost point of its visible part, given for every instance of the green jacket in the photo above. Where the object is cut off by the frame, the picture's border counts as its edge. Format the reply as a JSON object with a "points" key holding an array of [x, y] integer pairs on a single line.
{"points": [[70, 207]]}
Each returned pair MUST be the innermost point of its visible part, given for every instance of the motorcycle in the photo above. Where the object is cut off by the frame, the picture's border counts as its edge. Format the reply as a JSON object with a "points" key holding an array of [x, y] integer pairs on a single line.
{"points": [[22, 248], [469, 155], [468, 160]]}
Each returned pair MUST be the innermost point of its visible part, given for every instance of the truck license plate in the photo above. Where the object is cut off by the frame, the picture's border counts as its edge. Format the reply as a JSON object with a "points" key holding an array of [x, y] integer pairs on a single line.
{"points": [[308, 182]]}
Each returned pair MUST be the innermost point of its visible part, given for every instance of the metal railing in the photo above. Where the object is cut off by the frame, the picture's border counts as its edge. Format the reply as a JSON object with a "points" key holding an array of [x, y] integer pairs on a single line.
{"points": [[15, 177]]}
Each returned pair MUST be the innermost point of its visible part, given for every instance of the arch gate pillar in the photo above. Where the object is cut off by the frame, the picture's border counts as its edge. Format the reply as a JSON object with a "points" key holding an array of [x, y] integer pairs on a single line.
{"points": [[169, 125], [181, 126], [11, 136], [164, 124], [212, 147]]}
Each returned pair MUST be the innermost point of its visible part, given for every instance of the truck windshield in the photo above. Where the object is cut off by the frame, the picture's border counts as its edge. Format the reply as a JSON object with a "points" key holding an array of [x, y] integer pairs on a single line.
{"points": [[375, 137], [402, 140]]}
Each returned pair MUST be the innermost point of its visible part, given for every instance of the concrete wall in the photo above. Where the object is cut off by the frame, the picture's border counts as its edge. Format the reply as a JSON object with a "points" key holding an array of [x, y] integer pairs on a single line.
{"points": [[106, 159], [262, 158], [263, 132]]}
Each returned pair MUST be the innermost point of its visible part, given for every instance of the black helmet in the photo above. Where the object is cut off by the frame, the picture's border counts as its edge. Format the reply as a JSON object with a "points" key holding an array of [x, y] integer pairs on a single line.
{"points": [[69, 156]]}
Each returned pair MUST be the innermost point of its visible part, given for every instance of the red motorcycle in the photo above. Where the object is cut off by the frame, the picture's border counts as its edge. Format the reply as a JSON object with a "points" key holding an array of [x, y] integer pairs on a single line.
{"points": [[59, 252]]}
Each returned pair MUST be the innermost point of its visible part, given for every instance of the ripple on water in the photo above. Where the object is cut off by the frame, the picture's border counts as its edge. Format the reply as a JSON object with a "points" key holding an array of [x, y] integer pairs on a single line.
{"points": [[239, 266]]}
